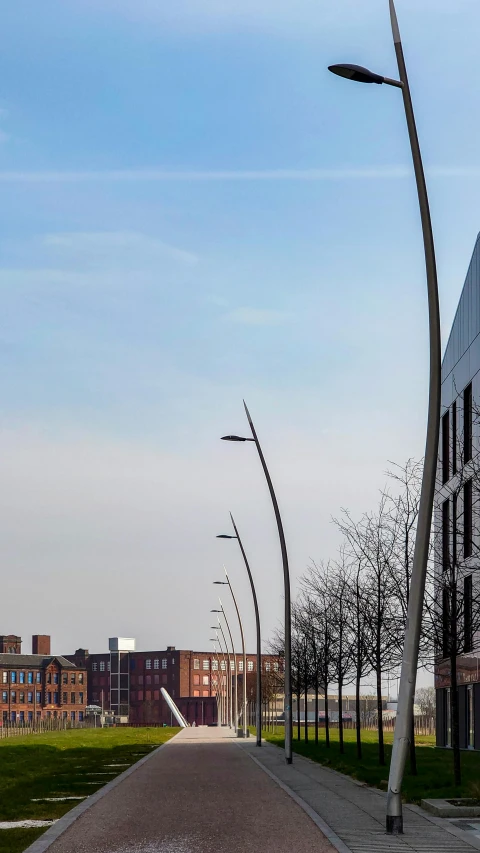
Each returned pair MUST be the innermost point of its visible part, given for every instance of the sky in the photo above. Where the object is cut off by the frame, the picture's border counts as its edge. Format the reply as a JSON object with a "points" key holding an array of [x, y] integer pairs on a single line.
{"points": [[195, 212]]}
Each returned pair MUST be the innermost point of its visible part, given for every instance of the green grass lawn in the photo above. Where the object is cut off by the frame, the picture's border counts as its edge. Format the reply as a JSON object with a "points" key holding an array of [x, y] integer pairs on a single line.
{"points": [[58, 763], [435, 769]]}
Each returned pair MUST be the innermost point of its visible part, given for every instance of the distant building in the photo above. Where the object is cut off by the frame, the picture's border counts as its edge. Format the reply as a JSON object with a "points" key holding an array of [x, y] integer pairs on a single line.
{"points": [[128, 682], [41, 685]]}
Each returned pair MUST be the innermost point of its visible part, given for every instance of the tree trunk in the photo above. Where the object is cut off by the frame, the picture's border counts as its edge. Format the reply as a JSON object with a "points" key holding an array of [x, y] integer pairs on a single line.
{"points": [[327, 725], [381, 746], [340, 716], [316, 707], [357, 714]]}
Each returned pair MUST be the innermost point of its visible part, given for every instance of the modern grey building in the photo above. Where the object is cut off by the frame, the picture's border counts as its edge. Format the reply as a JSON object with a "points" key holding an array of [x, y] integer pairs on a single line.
{"points": [[457, 522]]}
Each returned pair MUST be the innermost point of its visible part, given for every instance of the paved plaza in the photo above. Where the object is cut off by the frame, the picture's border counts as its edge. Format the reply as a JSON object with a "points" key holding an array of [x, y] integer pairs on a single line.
{"points": [[207, 792]]}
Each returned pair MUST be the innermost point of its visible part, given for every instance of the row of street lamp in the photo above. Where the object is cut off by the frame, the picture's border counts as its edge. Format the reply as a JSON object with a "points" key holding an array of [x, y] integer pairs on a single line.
{"points": [[394, 820]]}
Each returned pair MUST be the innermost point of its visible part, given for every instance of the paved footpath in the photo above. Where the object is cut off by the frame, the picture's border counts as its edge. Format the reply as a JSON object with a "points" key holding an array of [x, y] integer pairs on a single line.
{"points": [[206, 792]]}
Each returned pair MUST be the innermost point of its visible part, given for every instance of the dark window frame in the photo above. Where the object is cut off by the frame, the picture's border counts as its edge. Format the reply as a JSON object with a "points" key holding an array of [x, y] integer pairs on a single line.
{"points": [[446, 447], [467, 423], [468, 519]]}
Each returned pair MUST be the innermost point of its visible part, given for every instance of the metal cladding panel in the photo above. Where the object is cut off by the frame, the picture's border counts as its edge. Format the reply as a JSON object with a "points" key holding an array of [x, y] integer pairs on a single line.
{"points": [[466, 326], [121, 644]]}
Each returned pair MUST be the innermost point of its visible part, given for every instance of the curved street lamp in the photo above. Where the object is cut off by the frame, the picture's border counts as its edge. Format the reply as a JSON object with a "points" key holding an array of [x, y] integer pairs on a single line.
{"points": [[286, 582], [228, 674], [220, 692], [235, 715], [417, 584], [258, 710], [244, 680]]}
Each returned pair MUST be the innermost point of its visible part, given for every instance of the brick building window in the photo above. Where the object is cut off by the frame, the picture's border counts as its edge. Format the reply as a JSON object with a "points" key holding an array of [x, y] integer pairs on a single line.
{"points": [[13, 677], [55, 677], [275, 667], [232, 665], [148, 663], [102, 666], [4, 696], [94, 667], [55, 698], [156, 663], [39, 697], [206, 664], [215, 665], [164, 663], [156, 694], [30, 678], [21, 698], [205, 680], [204, 692], [65, 678], [72, 698], [21, 677], [140, 679], [140, 695], [267, 666], [240, 665], [223, 665], [80, 698], [13, 696], [80, 677], [65, 698], [156, 679], [196, 692], [250, 666], [49, 698], [80, 716], [196, 679], [148, 695], [4, 677], [196, 663], [164, 678], [49, 678], [148, 679], [38, 677], [72, 678], [72, 716]]}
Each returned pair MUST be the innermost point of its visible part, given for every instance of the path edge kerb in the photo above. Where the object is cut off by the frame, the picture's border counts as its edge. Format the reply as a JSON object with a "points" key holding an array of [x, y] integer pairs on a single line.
{"points": [[327, 831], [60, 826]]}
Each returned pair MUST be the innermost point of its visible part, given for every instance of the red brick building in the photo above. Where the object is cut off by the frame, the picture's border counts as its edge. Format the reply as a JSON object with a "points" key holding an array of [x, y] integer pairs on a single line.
{"points": [[192, 679], [40, 685]]}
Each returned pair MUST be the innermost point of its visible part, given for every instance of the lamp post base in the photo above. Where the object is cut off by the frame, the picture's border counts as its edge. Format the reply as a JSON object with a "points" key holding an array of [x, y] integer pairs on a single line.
{"points": [[395, 825]]}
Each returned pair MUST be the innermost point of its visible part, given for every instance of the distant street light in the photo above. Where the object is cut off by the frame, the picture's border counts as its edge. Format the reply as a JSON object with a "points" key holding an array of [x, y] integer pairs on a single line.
{"points": [[220, 690], [228, 675], [286, 582], [417, 585], [244, 680], [258, 709], [235, 715]]}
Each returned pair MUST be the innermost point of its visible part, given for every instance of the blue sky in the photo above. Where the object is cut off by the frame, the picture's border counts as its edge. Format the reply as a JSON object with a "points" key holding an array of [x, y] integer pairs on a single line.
{"points": [[195, 211]]}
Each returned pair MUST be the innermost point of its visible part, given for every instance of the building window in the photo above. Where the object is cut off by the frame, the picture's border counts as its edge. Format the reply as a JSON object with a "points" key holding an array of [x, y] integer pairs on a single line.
{"points": [[80, 698], [80, 677], [156, 679], [196, 663], [467, 519], [49, 678], [275, 667], [55, 698], [206, 664], [446, 535], [38, 697], [467, 614], [196, 679], [148, 663], [240, 665], [446, 447], [30, 716], [13, 677], [21, 677], [164, 663], [30, 678], [108, 665], [72, 698], [454, 438], [13, 716], [4, 677], [140, 679], [250, 666], [72, 678], [172, 661], [215, 665], [148, 679], [204, 692], [148, 695], [156, 663], [4, 697], [49, 698], [467, 423], [80, 716], [21, 698], [196, 692], [267, 666], [223, 665], [205, 680], [232, 665], [72, 716], [65, 677], [38, 677], [65, 698], [140, 695], [55, 677], [102, 666], [94, 667], [22, 716], [13, 696]]}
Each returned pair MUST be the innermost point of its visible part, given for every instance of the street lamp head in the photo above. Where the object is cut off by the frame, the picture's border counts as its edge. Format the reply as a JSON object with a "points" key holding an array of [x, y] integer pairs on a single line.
{"points": [[221, 583], [216, 611], [357, 73], [234, 438], [225, 536]]}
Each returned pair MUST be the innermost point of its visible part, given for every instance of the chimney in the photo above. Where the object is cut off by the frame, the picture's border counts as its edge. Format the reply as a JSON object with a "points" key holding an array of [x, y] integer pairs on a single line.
{"points": [[41, 644]]}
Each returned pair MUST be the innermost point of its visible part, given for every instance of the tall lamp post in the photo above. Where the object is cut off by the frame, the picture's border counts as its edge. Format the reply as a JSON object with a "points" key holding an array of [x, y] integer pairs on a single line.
{"points": [[229, 673], [235, 715], [244, 681], [286, 581], [258, 709], [417, 584]]}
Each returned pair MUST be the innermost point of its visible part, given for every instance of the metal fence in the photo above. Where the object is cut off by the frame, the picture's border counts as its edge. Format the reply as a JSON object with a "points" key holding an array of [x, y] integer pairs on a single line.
{"points": [[40, 726]]}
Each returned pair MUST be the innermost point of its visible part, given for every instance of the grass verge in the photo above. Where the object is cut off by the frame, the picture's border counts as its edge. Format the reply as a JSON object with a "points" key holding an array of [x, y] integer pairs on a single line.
{"points": [[435, 766], [63, 763]]}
